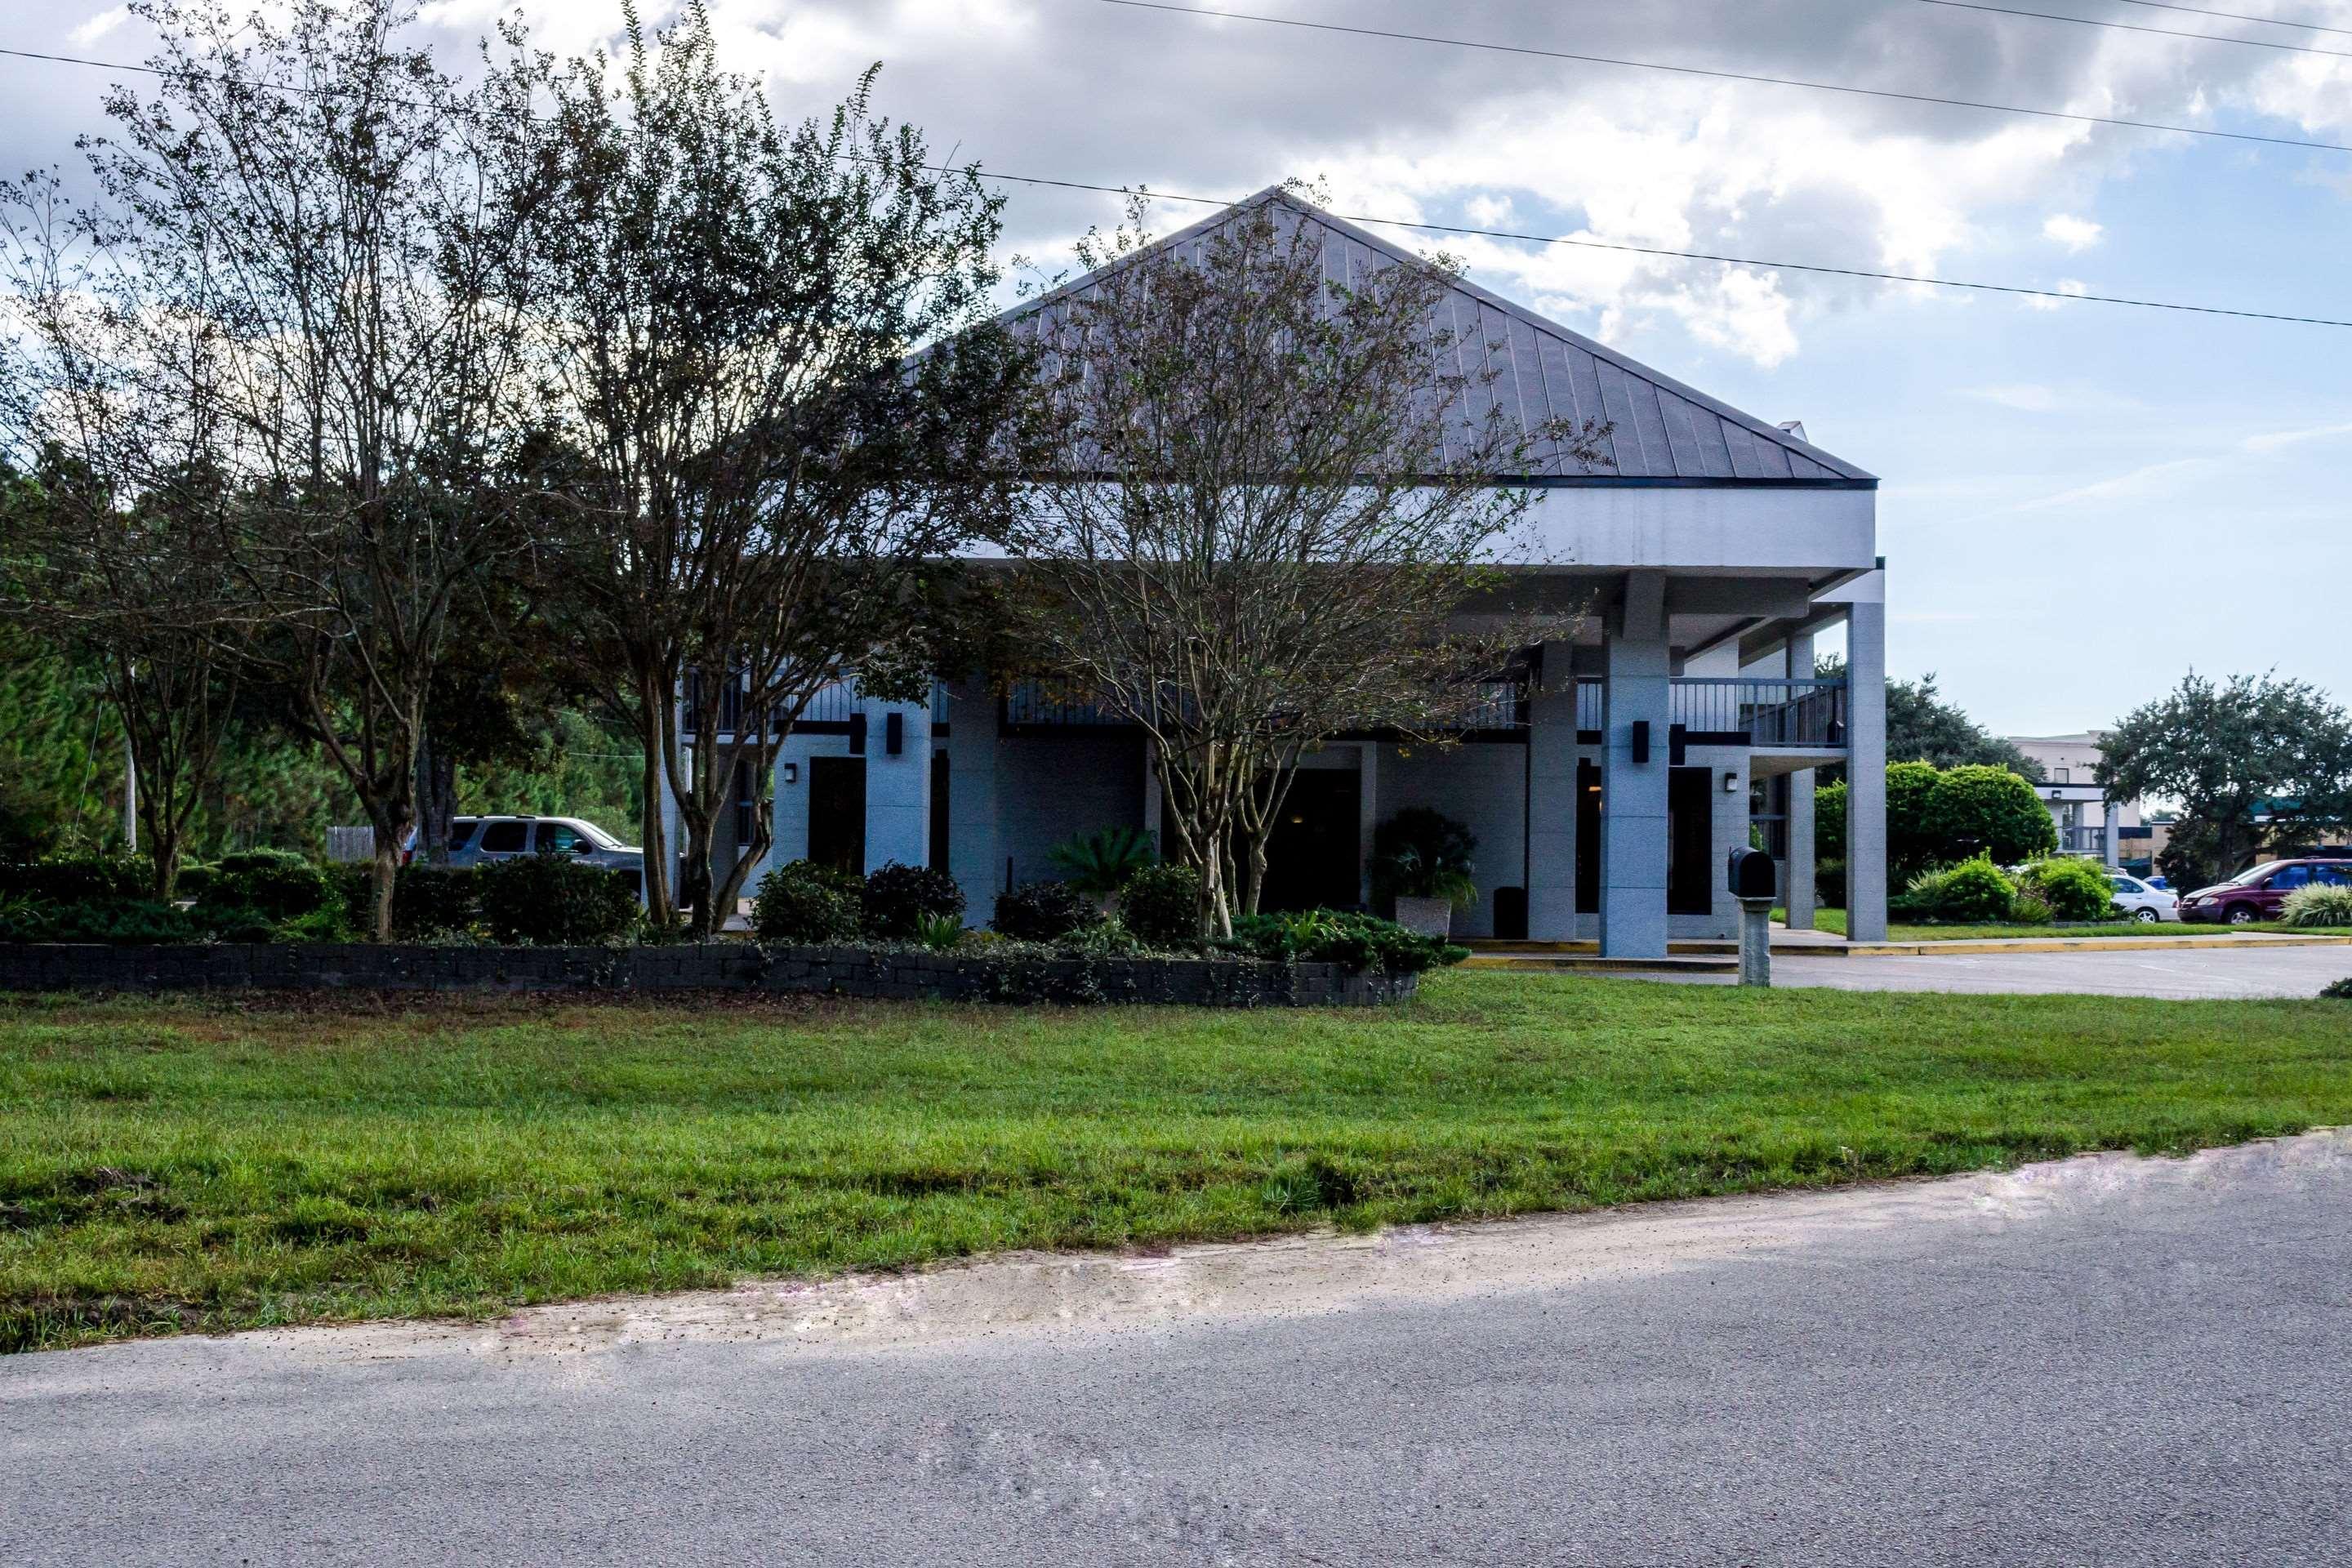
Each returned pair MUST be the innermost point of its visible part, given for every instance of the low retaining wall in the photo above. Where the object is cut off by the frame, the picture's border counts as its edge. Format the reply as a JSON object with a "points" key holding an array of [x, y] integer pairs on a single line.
{"points": [[710, 967]]}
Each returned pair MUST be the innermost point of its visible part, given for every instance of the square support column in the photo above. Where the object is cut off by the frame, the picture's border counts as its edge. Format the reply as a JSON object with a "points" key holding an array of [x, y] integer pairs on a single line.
{"points": [[1637, 667], [975, 859], [1797, 870], [2115, 832], [1865, 798], [898, 789], [1551, 799]]}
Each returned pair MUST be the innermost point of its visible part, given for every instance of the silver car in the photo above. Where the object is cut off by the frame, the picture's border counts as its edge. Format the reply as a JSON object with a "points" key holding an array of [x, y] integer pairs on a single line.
{"points": [[476, 839]]}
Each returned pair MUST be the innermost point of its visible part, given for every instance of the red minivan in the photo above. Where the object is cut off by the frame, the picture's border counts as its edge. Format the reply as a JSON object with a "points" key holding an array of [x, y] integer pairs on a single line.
{"points": [[2257, 893]]}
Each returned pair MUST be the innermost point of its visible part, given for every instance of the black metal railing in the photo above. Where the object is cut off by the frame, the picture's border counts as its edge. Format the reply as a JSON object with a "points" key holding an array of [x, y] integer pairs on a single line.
{"points": [[1741, 712]]}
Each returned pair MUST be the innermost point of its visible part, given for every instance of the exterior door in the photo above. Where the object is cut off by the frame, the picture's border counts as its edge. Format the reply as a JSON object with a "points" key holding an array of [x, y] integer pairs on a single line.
{"points": [[1690, 841], [1312, 855], [837, 827]]}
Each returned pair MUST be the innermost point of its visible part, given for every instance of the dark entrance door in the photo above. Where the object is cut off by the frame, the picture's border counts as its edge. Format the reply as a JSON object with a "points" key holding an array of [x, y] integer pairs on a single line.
{"points": [[1690, 841], [836, 828], [1588, 839], [1311, 856]]}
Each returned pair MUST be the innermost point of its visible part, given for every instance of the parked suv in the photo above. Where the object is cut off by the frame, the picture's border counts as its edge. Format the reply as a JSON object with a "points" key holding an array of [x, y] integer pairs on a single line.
{"points": [[475, 840], [2256, 894]]}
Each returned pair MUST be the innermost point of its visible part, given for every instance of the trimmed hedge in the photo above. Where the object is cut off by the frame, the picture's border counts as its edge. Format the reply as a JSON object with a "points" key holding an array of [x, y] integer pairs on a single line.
{"points": [[554, 900], [804, 904], [1160, 906], [1044, 911], [1359, 943], [899, 898]]}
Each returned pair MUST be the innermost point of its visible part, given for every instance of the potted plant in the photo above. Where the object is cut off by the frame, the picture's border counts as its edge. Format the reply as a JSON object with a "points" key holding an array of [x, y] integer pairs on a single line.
{"points": [[1420, 863]]}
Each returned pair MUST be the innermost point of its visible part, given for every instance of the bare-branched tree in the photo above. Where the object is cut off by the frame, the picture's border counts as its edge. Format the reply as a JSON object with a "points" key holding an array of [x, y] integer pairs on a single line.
{"points": [[1274, 500], [769, 469], [305, 207]]}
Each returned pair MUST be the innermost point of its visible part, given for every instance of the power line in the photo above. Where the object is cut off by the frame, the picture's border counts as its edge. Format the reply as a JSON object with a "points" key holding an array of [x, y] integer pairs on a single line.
{"points": [[2239, 16], [2137, 27], [976, 171], [1731, 75]]}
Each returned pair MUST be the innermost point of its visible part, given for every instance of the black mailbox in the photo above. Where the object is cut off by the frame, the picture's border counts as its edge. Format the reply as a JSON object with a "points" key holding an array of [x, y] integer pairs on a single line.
{"points": [[1750, 874]]}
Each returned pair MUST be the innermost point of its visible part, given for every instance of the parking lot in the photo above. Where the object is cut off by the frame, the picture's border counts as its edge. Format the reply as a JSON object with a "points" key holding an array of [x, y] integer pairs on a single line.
{"points": [[2188, 973]]}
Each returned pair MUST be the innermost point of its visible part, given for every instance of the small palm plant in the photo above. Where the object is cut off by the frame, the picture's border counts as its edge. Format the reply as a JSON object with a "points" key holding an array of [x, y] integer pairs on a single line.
{"points": [[2318, 906], [1100, 863], [941, 934]]}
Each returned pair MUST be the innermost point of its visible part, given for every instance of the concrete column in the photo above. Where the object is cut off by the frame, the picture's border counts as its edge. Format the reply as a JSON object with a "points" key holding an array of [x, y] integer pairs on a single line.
{"points": [[1865, 797], [2114, 836], [1797, 894], [975, 856], [1635, 690], [1551, 799], [898, 789]]}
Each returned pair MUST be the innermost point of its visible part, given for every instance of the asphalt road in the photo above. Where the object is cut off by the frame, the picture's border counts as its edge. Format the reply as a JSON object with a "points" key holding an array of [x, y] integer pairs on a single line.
{"points": [[2184, 972], [2111, 1361]]}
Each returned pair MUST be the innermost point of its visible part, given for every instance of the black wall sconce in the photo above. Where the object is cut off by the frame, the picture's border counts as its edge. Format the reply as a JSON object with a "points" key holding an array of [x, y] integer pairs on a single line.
{"points": [[792, 772], [1641, 742], [894, 734]]}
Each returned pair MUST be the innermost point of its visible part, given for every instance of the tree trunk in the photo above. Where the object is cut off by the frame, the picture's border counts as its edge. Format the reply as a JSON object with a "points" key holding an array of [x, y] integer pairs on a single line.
{"points": [[387, 873], [437, 800], [653, 734]]}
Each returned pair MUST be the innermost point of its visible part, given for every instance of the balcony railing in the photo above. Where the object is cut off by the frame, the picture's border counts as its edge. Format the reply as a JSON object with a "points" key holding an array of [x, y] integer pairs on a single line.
{"points": [[1738, 712], [828, 712]]}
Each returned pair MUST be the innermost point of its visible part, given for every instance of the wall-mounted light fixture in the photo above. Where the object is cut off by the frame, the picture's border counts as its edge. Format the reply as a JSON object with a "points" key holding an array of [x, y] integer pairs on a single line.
{"points": [[792, 772], [1731, 783], [894, 734], [1641, 742]]}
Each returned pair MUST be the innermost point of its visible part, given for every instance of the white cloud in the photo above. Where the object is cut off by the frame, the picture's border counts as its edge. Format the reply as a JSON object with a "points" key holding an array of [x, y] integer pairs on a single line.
{"points": [[2280, 440], [97, 26], [2076, 234]]}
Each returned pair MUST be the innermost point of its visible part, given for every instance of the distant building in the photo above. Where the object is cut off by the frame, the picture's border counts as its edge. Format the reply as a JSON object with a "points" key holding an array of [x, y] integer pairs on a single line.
{"points": [[2086, 823]]}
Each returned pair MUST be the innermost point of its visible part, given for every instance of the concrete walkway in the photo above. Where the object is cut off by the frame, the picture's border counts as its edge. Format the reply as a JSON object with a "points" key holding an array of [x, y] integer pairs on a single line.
{"points": [[2109, 1360], [2184, 974]]}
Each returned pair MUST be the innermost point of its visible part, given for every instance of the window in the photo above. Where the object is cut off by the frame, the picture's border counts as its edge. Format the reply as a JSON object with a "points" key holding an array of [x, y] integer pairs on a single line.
{"points": [[2061, 775], [503, 837], [559, 838], [2124, 886], [461, 832], [2335, 875], [2291, 878], [746, 803]]}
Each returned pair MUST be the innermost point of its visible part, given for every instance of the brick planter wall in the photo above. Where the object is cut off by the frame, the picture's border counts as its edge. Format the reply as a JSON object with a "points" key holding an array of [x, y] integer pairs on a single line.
{"points": [[713, 966]]}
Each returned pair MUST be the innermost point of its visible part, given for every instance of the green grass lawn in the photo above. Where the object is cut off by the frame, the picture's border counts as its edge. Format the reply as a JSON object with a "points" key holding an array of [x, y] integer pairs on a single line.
{"points": [[210, 1165], [1833, 922]]}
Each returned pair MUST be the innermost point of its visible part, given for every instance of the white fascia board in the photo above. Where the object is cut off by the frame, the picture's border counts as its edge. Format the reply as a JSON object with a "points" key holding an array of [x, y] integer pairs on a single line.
{"points": [[1697, 527]]}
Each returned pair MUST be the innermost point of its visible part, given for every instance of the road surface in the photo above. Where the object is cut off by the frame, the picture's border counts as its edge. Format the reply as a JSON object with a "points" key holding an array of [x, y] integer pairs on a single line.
{"points": [[2104, 1360]]}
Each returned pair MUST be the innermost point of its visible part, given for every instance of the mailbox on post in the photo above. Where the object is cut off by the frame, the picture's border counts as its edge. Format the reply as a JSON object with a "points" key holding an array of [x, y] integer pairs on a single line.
{"points": [[1753, 880]]}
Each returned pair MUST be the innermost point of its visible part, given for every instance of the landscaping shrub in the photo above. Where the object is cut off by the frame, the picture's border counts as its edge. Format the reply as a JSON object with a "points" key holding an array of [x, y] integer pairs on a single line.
{"points": [[1161, 905], [941, 934], [1982, 809], [1829, 881], [804, 904], [2339, 992], [436, 901], [1044, 911], [2030, 908], [79, 878], [1912, 847], [1420, 852], [1354, 941], [276, 884], [1102, 862], [2073, 889], [121, 921], [554, 898], [898, 898], [1973, 892], [2318, 906]]}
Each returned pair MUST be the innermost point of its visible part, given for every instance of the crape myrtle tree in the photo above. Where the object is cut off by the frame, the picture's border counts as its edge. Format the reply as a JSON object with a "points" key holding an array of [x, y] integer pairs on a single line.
{"points": [[115, 550], [308, 202], [770, 471], [2230, 752], [1270, 494]]}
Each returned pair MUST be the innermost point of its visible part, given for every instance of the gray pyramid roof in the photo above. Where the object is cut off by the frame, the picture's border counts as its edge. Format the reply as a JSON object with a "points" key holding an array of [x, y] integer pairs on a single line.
{"points": [[1662, 432]]}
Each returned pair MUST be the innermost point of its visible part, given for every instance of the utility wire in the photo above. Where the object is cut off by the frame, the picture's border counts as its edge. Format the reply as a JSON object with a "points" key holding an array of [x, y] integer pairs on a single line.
{"points": [[1730, 75], [2137, 27], [2239, 16], [976, 172]]}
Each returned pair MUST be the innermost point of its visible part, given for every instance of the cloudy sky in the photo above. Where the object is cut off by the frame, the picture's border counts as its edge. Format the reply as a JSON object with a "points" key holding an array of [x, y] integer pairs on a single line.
{"points": [[2080, 501]]}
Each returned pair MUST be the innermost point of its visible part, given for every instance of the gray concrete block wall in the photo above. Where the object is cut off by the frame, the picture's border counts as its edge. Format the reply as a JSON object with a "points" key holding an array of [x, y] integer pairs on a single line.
{"points": [[691, 967], [1051, 788]]}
